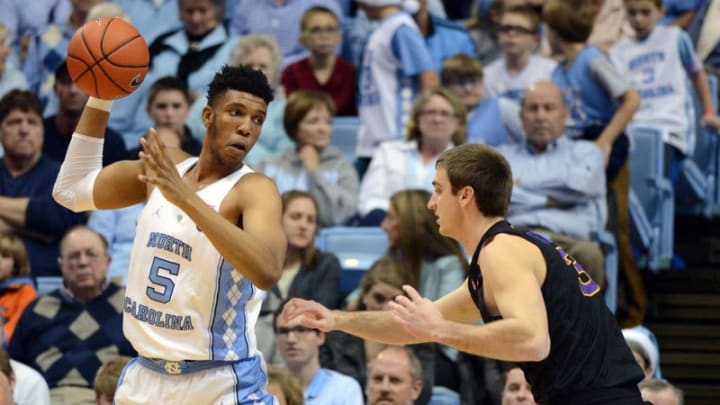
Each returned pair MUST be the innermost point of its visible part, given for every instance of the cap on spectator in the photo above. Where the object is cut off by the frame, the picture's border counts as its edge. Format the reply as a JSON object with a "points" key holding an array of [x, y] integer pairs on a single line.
{"points": [[646, 340]]}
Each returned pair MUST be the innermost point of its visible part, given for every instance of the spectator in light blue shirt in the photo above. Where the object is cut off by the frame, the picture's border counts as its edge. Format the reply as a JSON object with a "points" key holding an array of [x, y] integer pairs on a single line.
{"points": [[559, 182], [299, 347], [279, 19]]}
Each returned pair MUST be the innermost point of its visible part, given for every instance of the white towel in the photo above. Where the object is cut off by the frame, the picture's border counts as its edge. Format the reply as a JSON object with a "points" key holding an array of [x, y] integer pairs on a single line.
{"points": [[710, 31]]}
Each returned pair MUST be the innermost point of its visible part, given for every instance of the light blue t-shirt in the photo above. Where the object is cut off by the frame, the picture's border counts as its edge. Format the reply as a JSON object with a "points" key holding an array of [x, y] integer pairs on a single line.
{"points": [[329, 387]]}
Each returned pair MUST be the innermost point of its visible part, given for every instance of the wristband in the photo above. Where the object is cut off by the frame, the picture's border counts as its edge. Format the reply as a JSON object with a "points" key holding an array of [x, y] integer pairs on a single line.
{"points": [[99, 104]]}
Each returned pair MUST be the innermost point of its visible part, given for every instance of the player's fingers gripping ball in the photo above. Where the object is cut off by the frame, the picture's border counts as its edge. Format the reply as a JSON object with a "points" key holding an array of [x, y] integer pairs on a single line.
{"points": [[108, 58]]}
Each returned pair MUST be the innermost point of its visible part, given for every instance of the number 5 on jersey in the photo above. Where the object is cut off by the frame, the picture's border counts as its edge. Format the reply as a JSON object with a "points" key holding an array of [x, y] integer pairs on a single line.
{"points": [[163, 286]]}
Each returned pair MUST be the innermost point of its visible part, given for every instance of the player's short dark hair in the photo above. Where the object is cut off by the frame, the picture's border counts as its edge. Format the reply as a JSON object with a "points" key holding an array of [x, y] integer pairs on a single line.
{"points": [[168, 83], [241, 78], [483, 169], [572, 20], [23, 100]]}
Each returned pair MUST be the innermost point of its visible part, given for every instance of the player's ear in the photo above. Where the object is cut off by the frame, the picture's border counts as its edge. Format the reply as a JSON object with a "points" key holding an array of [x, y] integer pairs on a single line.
{"points": [[207, 116], [467, 195]]}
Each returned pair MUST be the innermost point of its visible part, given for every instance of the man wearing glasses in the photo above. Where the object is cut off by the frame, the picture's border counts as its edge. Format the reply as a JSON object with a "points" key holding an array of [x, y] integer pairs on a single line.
{"points": [[299, 347], [67, 334]]}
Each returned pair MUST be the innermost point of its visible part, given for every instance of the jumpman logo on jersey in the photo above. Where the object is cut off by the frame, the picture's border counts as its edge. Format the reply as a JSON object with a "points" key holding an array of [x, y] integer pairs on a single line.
{"points": [[157, 211]]}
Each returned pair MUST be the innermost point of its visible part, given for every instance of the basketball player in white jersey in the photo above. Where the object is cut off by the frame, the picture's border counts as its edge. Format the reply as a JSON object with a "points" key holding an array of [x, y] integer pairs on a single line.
{"points": [[208, 239]]}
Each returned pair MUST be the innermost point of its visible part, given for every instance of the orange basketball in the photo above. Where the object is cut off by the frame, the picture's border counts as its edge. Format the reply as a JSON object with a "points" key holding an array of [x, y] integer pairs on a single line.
{"points": [[108, 58]]}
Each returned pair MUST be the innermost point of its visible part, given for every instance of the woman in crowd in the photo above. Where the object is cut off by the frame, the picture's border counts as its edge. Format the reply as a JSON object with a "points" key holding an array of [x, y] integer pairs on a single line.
{"points": [[314, 165], [307, 272], [437, 123]]}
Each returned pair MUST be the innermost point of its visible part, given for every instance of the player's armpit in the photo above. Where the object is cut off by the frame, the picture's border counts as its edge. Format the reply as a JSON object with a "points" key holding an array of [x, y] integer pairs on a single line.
{"points": [[513, 272], [117, 185], [260, 210]]}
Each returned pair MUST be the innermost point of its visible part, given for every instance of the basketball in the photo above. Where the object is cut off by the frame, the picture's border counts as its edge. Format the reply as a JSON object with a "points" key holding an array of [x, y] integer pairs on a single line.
{"points": [[108, 58]]}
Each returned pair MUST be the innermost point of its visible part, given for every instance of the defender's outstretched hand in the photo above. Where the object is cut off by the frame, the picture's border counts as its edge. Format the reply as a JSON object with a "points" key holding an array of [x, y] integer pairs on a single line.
{"points": [[160, 170], [309, 313], [416, 314]]}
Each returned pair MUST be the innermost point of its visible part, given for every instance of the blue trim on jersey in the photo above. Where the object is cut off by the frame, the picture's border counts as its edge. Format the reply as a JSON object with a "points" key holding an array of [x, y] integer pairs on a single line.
{"points": [[240, 291], [125, 369], [252, 373], [687, 54], [409, 47], [211, 340]]}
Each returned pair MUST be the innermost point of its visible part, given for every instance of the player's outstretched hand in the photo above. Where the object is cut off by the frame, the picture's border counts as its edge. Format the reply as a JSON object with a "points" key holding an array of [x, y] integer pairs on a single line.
{"points": [[310, 313], [416, 314], [160, 171]]}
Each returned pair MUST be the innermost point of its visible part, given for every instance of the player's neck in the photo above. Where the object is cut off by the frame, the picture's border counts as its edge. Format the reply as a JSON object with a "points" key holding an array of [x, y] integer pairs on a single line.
{"points": [[474, 228], [208, 170]]}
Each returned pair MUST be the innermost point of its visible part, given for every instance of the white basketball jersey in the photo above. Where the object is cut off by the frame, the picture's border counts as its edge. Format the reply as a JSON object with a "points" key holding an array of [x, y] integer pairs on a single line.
{"points": [[386, 95], [183, 300], [655, 68]]}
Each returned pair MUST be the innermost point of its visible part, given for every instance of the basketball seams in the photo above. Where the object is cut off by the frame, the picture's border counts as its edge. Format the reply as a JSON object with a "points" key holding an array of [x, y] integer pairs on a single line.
{"points": [[91, 60]]}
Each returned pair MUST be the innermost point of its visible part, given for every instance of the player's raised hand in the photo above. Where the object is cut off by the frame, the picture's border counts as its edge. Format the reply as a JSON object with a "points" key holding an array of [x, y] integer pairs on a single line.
{"points": [[418, 315], [310, 313], [159, 169]]}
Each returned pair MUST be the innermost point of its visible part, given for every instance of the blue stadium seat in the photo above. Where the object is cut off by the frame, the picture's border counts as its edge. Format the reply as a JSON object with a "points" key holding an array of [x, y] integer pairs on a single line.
{"points": [[47, 284], [697, 191], [609, 246], [344, 135], [652, 203], [356, 247]]}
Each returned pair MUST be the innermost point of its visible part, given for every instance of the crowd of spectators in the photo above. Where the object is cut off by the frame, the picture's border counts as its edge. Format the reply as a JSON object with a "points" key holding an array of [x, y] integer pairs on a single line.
{"points": [[553, 84]]}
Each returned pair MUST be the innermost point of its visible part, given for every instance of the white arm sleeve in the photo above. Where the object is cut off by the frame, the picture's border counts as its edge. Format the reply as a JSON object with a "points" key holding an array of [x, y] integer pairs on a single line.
{"points": [[74, 185]]}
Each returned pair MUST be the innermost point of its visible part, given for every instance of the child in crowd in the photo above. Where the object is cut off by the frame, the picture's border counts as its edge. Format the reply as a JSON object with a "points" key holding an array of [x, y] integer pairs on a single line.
{"points": [[396, 66], [106, 379], [491, 120], [323, 70], [16, 288], [659, 60], [518, 67], [601, 103]]}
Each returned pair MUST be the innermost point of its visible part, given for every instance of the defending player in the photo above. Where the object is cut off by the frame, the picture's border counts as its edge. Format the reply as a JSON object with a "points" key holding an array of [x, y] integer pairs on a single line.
{"points": [[540, 307]]}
